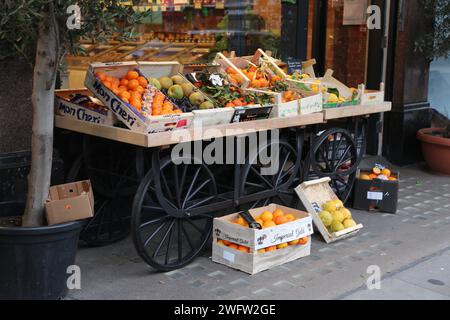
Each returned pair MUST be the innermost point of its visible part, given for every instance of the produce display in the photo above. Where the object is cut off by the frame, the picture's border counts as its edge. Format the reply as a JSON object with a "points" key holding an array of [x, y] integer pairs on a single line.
{"points": [[135, 90], [378, 172], [182, 93], [224, 93], [335, 216]]}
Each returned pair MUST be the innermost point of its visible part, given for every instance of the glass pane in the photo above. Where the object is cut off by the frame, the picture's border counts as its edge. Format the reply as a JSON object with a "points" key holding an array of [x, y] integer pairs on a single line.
{"points": [[346, 43]]}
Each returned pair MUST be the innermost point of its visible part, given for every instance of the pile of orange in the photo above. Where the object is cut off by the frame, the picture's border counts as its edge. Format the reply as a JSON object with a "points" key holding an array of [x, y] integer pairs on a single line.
{"points": [[256, 76], [301, 241], [290, 96], [378, 173], [129, 88], [268, 219]]}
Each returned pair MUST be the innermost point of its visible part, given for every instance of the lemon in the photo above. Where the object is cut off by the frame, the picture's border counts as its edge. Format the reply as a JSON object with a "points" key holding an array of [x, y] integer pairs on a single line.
{"points": [[329, 206], [347, 214], [326, 218], [333, 98], [348, 223], [337, 226], [338, 216]]}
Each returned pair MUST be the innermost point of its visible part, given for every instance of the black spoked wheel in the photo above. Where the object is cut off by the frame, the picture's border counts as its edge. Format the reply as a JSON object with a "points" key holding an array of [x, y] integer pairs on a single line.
{"points": [[111, 221], [273, 181], [333, 154], [172, 214]]}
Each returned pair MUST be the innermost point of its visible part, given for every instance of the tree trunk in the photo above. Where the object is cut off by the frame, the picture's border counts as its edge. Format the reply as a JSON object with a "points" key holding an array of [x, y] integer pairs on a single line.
{"points": [[42, 130]]}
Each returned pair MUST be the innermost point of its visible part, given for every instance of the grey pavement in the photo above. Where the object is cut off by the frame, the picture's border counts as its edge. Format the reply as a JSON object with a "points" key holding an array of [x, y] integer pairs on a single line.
{"points": [[411, 248]]}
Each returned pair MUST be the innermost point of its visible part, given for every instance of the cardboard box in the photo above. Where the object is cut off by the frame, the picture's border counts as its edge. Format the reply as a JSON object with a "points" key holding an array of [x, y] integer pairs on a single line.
{"points": [[98, 114], [133, 119], [256, 239], [376, 195], [70, 202], [313, 195], [252, 263]]}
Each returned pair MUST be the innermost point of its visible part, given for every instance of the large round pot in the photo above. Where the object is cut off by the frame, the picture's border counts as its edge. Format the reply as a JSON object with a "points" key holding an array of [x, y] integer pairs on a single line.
{"points": [[34, 261], [435, 149]]}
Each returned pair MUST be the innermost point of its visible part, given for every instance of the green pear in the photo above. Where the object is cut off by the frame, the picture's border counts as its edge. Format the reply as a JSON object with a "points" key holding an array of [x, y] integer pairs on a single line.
{"points": [[188, 88], [155, 82], [196, 98], [176, 92], [166, 82], [206, 105], [177, 79]]}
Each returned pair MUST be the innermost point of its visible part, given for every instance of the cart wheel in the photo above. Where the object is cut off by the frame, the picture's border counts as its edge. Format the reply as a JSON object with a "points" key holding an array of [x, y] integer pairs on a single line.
{"points": [[115, 169], [172, 220], [276, 187], [333, 154], [111, 217], [359, 131]]}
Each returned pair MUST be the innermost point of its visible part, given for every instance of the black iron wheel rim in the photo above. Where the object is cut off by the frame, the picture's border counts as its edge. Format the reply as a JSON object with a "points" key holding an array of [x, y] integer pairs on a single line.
{"points": [[164, 240], [334, 153], [341, 180]]}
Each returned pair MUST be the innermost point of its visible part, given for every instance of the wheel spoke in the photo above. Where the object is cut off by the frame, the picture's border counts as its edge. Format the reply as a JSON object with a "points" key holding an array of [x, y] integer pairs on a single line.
{"points": [[145, 224], [261, 176], [177, 185], [282, 167], [194, 225], [186, 235], [180, 240], [166, 185], [197, 204], [197, 190], [147, 241], [194, 180], [168, 231], [152, 208]]}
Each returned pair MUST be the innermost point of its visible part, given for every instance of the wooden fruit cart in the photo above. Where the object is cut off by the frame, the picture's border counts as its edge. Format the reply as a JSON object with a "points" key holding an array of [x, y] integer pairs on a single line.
{"points": [[173, 204]]}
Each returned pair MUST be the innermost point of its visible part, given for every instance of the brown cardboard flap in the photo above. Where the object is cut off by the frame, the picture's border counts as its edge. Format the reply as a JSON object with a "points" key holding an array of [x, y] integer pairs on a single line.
{"points": [[70, 202]]}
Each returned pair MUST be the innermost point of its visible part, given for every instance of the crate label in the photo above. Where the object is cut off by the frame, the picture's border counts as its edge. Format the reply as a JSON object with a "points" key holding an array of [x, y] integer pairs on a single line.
{"points": [[316, 207], [80, 113], [228, 256], [371, 195]]}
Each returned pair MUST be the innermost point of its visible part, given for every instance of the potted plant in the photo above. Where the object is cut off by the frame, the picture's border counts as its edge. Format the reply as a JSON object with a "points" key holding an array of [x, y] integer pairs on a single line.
{"points": [[435, 44], [34, 257]]}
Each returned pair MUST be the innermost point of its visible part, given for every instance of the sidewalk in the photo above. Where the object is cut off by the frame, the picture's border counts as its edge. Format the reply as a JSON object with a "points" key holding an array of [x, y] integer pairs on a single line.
{"points": [[411, 249]]}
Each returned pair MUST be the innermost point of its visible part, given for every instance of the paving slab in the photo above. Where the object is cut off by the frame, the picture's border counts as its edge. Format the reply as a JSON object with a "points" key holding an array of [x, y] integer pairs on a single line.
{"points": [[392, 242]]}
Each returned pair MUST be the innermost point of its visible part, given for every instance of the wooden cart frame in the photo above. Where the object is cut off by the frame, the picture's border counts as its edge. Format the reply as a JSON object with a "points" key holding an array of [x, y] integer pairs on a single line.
{"points": [[173, 204]]}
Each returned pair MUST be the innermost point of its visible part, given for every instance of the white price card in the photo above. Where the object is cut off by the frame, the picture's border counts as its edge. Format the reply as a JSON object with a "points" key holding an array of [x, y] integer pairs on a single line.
{"points": [[371, 195]]}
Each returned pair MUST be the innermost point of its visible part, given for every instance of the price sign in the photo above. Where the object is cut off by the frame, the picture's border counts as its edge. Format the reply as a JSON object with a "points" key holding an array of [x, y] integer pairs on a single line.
{"points": [[294, 65]]}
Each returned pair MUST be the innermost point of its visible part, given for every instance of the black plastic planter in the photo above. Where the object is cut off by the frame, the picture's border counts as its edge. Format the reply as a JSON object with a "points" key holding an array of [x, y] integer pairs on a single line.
{"points": [[34, 261]]}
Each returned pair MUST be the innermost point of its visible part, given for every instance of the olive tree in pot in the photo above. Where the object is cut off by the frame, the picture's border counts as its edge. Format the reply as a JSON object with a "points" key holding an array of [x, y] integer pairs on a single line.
{"points": [[436, 44], [34, 257]]}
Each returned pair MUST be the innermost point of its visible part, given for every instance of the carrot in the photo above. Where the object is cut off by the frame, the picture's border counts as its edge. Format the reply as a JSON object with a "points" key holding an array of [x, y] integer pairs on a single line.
{"points": [[230, 104]]}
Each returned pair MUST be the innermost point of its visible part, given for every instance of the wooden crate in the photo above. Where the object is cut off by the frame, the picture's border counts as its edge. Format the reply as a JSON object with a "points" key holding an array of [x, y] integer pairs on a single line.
{"points": [[255, 239], [234, 63], [314, 194], [253, 262], [67, 108], [127, 114]]}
